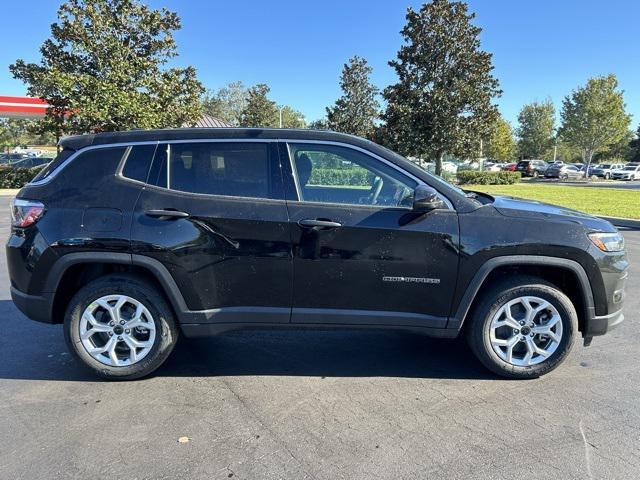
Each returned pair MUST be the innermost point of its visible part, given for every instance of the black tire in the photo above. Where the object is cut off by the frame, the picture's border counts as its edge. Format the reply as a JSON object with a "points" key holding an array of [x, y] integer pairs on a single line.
{"points": [[564, 177], [132, 286], [477, 331]]}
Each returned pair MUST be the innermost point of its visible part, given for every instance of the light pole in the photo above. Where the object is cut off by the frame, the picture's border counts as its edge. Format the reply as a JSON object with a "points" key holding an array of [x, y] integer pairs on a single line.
{"points": [[280, 111]]}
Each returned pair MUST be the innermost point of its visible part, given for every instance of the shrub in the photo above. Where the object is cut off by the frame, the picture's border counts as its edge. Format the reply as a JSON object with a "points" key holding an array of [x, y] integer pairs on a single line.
{"points": [[488, 178], [16, 177], [340, 176]]}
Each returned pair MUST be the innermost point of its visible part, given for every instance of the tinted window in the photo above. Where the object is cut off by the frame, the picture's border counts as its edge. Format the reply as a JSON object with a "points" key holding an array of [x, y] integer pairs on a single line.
{"points": [[138, 162], [332, 174], [217, 168], [55, 163]]}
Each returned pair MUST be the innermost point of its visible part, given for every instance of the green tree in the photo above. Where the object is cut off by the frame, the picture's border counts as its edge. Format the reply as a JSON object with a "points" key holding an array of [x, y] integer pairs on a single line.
{"points": [[536, 127], [594, 117], [500, 145], [634, 154], [442, 102], [227, 103], [103, 69], [260, 111], [292, 118], [356, 111], [319, 124]]}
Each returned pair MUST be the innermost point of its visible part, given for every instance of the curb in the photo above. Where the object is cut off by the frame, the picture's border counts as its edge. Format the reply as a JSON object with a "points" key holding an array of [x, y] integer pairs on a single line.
{"points": [[623, 222]]}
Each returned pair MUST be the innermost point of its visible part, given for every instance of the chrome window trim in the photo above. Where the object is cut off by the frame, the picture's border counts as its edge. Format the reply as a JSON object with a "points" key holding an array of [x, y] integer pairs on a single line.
{"points": [[361, 150], [77, 153], [60, 167]]}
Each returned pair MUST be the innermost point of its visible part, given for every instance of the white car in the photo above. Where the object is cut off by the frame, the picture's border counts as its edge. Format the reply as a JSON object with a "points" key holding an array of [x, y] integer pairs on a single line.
{"points": [[630, 172]]}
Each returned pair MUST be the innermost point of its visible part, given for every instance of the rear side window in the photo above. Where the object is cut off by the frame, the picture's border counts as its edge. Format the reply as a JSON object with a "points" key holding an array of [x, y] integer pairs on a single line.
{"points": [[233, 169], [55, 163], [138, 162]]}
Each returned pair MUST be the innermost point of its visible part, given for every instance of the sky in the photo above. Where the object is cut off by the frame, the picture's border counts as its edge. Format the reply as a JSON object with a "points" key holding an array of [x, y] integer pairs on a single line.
{"points": [[541, 48]]}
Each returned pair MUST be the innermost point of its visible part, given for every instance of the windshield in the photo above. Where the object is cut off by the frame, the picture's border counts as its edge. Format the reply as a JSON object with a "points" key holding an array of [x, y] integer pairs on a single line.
{"points": [[631, 169], [436, 178]]}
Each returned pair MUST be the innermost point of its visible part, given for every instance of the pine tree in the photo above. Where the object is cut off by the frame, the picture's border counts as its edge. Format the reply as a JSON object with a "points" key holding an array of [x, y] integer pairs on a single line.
{"points": [[356, 111], [442, 102]]}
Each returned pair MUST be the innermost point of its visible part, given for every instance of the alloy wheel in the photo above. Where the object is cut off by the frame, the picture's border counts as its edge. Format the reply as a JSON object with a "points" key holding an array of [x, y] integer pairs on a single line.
{"points": [[117, 330], [525, 331]]}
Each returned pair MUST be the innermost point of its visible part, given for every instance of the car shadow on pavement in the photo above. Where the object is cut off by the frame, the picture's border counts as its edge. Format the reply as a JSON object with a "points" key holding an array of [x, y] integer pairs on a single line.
{"points": [[322, 353]]}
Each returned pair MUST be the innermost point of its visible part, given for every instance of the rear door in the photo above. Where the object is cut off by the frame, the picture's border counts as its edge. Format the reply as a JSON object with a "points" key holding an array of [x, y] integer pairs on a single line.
{"points": [[361, 256], [213, 213]]}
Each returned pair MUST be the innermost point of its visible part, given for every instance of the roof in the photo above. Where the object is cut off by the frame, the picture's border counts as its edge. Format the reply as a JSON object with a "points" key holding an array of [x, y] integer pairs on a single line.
{"points": [[207, 121], [77, 142]]}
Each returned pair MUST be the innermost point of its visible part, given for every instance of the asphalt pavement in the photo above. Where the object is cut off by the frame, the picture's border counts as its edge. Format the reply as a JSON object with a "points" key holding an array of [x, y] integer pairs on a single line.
{"points": [[318, 405]]}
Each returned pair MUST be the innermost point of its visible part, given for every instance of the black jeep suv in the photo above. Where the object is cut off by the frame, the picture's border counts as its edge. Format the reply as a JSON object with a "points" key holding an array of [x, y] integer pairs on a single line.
{"points": [[133, 238]]}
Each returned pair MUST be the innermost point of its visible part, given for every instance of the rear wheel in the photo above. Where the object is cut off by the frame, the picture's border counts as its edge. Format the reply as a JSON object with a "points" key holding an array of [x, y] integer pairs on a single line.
{"points": [[120, 327], [523, 328]]}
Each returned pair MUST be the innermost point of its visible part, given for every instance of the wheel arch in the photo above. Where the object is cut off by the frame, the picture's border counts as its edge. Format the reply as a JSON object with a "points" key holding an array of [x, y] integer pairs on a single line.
{"points": [[568, 275], [74, 270]]}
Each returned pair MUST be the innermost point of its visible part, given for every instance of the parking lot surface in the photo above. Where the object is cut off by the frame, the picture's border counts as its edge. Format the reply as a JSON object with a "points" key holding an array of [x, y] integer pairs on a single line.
{"points": [[318, 405]]}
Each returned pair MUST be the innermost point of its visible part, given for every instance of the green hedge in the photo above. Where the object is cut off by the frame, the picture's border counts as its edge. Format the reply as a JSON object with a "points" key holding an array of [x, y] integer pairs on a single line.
{"points": [[488, 178], [340, 176], [16, 177]]}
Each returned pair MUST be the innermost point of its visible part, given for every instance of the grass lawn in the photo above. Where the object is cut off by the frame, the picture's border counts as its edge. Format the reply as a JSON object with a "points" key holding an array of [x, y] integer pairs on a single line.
{"points": [[608, 202]]}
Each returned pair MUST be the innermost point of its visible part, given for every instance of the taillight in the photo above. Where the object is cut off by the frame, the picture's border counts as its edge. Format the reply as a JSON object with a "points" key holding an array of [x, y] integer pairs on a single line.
{"points": [[25, 213]]}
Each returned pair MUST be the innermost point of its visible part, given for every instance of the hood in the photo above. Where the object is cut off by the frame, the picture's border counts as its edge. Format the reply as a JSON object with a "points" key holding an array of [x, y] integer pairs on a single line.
{"points": [[520, 208]]}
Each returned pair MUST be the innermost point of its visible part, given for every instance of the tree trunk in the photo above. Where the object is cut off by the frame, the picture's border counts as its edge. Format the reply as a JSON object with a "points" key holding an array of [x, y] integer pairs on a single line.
{"points": [[439, 159], [588, 158]]}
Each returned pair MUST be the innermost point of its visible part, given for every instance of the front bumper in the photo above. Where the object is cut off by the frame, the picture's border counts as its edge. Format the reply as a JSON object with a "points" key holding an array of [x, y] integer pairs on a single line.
{"points": [[34, 307], [602, 324]]}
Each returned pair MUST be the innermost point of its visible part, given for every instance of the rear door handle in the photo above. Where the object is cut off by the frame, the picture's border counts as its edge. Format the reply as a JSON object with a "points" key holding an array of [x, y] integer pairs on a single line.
{"points": [[167, 213], [310, 223]]}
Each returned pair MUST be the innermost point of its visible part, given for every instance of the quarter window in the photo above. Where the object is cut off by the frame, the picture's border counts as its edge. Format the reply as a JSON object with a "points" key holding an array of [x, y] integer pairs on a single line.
{"points": [[138, 161], [217, 168], [334, 174]]}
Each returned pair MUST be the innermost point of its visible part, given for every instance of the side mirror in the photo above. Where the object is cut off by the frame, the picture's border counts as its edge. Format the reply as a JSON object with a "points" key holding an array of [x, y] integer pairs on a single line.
{"points": [[426, 199]]}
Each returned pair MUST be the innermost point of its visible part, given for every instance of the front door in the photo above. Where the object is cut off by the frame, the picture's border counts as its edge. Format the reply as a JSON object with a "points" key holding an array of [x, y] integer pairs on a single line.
{"points": [[360, 254], [214, 214]]}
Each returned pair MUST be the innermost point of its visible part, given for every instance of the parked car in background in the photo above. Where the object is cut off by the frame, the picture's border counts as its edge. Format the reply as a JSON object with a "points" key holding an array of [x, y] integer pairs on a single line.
{"points": [[510, 167], [532, 168], [605, 170], [492, 167], [563, 172], [30, 162], [12, 158], [630, 172]]}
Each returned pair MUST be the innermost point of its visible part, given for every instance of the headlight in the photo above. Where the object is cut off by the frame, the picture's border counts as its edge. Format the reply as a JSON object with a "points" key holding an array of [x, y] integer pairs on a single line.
{"points": [[608, 242]]}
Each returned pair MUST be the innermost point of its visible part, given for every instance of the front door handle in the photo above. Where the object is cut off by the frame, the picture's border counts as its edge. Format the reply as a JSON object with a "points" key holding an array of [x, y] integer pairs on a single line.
{"points": [[310, 223], [167, 213]]}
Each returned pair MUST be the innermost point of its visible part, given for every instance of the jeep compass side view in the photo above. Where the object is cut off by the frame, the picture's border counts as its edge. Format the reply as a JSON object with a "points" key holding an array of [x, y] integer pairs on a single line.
{"points": [[133, 238]]}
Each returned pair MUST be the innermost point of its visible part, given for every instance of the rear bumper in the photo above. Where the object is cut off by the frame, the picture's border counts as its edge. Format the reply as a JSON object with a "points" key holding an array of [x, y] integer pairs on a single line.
{"points": [[37, 308]]}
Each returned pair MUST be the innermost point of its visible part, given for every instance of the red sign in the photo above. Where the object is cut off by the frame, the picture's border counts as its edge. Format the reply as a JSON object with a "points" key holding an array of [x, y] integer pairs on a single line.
{"points": [[22, 107]]}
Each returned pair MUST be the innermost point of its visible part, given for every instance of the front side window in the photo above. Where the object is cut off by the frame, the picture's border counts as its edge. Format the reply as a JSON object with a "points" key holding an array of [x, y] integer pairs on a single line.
{"points": [[216, 168], [334, 174]]}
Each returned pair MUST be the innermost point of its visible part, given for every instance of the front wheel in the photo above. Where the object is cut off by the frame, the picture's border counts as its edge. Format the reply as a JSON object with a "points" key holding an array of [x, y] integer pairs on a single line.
{"points": [[120, 327], [523, 328]]}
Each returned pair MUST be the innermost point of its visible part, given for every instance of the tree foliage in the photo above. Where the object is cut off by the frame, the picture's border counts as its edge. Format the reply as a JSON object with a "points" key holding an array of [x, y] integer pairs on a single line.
{"points": [[442, 102], [594, 117], [356, 111], [501, 145], [261, 111], [227, 103], [103, 69], [634, 154], [535, 131]]}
